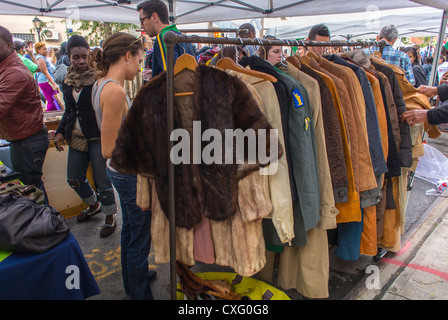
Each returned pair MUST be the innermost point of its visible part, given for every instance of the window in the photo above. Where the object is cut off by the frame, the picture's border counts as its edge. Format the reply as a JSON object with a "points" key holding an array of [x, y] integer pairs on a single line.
{"points": [[24, 36]]}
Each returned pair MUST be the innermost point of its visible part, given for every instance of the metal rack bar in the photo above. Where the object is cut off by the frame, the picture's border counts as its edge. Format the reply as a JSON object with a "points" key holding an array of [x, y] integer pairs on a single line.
{"points": [[171, 39], [223, 30]]}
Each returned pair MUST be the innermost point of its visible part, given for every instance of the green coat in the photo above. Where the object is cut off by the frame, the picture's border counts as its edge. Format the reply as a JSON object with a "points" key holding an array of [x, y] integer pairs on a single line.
{"points": [[305, 187]]}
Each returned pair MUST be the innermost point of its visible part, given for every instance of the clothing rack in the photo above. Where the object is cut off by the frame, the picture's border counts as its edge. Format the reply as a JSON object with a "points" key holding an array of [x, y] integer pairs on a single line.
{"points": [[171, 39], [223, 30]]}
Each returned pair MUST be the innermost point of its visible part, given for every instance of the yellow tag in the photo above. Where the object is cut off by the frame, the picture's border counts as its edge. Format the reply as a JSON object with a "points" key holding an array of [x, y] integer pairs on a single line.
{"points": [[307, 124]]}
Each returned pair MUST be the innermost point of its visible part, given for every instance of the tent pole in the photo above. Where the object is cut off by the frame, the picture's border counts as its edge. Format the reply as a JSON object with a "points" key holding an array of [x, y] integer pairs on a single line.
{"points": [[438, 49], [171, 187], [171, 12]]}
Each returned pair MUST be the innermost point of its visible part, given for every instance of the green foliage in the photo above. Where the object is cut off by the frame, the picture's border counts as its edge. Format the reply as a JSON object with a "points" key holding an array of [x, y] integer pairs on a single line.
{"points": [[426, 41], [43, 29], [98, 30]]}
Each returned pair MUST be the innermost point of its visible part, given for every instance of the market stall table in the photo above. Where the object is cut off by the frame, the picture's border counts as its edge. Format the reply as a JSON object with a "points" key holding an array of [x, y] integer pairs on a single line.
{"points": [[61, 273]]}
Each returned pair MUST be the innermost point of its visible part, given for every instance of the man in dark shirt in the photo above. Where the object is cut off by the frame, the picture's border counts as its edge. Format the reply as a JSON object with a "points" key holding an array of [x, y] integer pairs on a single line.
{"points": [[433, 116], [21, 115], [153, 17]]}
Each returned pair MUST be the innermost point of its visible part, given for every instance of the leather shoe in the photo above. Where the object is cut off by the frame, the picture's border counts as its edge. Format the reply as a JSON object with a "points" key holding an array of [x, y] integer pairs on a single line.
{"points": [[107, 229]]}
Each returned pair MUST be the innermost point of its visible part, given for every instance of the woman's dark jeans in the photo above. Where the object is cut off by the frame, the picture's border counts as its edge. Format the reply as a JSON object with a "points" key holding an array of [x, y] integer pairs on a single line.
{"points": [[77, 165], [135, 237]]}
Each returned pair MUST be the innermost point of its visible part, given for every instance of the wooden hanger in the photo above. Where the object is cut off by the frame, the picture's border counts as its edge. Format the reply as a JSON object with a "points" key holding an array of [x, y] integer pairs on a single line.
{"points": [[185, 61], [294, 61], [227, 63]]}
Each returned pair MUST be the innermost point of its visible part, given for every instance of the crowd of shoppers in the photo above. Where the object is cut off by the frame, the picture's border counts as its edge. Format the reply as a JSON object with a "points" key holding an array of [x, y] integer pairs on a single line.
{"points": [[96, 103]]}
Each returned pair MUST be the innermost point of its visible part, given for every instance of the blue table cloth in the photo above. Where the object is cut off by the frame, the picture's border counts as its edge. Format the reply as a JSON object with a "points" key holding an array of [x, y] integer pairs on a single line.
{"points": [[61, 273]]}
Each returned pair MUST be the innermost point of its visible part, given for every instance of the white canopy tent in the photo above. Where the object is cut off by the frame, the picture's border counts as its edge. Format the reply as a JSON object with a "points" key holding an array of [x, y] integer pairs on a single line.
{"points": [[417, 22], [192, 11]]}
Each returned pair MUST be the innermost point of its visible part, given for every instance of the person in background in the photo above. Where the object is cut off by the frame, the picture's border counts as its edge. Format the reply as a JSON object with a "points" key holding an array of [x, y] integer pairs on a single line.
{"points": [[427, 66], [319, 32], [153, 17], [419, 54], [273, 54], [20, 48], [79, 122], [61, 66], [30, 45], [233, 52], [417, 68], [53, 56], [247, 31], [21, 115], [148, 48], [120, 60], [390, 35], [45, 77], [62, 55], [443, 65], [432, 116]]}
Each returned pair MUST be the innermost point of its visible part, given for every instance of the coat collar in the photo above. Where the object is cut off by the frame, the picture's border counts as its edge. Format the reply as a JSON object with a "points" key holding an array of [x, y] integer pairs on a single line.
{"points": [[10, 59]]}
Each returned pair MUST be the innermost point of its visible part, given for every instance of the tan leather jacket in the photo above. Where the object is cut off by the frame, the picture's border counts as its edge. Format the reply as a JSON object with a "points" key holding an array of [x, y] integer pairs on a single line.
{"points": [[412, 98]]}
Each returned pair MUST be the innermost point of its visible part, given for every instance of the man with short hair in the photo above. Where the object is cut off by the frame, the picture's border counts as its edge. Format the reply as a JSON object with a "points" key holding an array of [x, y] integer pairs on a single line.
{"points": [[247, 31], [319, 32], [20, 47], [21, 115], [30, 45], [392, 56], [154, 19]]}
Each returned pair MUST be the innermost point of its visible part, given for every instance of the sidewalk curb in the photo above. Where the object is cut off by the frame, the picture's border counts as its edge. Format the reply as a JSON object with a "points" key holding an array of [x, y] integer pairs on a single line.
{"points": [[412, 243]]}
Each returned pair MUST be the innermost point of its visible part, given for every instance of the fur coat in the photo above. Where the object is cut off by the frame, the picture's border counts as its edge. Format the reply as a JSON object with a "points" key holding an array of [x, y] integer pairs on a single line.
{"points": [[219, 101], [236, 242]]}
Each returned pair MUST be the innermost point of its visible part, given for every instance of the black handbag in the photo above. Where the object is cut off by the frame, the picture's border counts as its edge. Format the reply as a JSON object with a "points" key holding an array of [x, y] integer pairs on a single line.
{"points": [[28, 227]]}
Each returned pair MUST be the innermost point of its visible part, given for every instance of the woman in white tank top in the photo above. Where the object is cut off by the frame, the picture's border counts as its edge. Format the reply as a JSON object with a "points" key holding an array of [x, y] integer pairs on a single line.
{"points": [[120, 60]]}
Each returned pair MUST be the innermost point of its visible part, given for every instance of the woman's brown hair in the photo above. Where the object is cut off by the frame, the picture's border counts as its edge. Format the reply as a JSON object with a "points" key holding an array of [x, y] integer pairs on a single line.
{"points": [[114, 47], [263, 50]]}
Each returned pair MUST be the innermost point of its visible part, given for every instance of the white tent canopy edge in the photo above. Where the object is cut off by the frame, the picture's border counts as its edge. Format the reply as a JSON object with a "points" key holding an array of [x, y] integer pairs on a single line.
{"points": [[189, 11], [409, 22]]}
